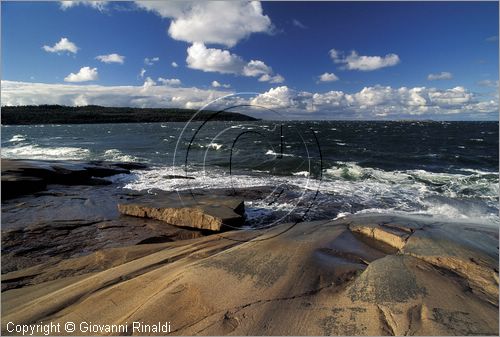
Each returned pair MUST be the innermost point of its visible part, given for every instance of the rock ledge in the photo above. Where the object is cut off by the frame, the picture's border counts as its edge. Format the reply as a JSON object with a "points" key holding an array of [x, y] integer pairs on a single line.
{"points": [[214, 213]]}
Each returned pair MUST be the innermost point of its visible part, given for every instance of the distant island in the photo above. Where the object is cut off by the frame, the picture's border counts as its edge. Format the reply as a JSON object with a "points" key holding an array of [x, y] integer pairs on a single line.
{"points": [[90, 114]]}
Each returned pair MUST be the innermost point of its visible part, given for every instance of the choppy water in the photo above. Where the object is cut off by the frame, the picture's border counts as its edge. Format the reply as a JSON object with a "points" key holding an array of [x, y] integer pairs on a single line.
{"points": [[445, 169]]}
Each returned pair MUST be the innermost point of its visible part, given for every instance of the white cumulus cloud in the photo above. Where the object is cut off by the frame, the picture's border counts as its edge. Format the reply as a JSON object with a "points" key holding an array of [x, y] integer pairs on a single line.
{"points": [[85, 74], [354, 61], [169, 81], [256, 68], [174, 64], [222, 61], [213, 60], [150, 61], [219, 22], [452, 97], [272, 78], [217, 84], [328, 77], [111, 58], [64, 45], [148, 83], [444, 75], [487, 83], [99, 5], [283, 98]]}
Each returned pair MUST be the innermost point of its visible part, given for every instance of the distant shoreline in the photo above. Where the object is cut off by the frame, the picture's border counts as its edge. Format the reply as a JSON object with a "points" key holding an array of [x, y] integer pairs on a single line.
{"points": [[93, 114]]}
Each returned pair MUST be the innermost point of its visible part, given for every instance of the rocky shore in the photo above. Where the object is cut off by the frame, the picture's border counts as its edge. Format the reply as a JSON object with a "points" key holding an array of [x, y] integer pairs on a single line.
{"points": [[68, 254]]}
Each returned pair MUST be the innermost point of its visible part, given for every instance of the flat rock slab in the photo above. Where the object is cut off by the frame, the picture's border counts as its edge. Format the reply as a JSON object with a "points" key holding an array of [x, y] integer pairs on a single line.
{"points": [[312, 278], [213, 213]]}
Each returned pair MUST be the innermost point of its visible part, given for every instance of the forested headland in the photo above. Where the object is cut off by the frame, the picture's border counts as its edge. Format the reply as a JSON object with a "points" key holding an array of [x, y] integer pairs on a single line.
{"points": [[58, 114]]}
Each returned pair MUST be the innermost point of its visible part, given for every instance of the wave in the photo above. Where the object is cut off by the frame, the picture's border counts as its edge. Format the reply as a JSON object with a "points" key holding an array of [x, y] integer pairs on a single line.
{"points": [[39, 152], [272, 153], [348, 188], [477, 183], [17, 138], [439, 211], [348, 171], [117, 155], [36, 151], [214, 146]]}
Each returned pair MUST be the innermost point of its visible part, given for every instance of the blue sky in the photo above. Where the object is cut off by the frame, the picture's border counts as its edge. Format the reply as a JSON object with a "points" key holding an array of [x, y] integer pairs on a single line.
{"points": [[436, 60]]}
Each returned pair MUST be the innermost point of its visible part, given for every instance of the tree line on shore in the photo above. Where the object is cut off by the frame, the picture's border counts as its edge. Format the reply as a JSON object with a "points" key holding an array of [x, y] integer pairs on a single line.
{"points": [[59, 114]]}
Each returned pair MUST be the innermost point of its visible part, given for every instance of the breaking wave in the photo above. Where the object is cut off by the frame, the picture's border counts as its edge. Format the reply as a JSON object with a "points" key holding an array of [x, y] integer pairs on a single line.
{"points": [[49, 153], [348, 188]]}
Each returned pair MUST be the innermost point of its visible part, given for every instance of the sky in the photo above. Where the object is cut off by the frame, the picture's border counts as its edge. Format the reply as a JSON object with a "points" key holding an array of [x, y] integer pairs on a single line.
{"points": [[319, 60]]}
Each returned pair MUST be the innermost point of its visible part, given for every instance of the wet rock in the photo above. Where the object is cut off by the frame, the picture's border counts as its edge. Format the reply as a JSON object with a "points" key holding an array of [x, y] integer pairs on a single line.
{"points": [[175, 176], [21, 177], [14, 185], [71, 221]]}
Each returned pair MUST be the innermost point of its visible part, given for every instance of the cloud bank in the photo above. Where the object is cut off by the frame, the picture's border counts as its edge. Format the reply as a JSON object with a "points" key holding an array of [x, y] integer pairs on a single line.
{"points": [[376, 102]]}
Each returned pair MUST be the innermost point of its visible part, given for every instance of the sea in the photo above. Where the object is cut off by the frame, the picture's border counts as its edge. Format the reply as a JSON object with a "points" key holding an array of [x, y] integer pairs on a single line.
{"points": [[333, 168]]}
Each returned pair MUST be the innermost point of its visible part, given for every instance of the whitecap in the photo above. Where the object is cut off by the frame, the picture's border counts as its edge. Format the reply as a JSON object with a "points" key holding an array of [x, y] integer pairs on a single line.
{"points": [[342, 215], [48, 153], [345, 170], [301, 173], [215, 146], [272, 153], [117, 155], [17, 138], [371, 189]]}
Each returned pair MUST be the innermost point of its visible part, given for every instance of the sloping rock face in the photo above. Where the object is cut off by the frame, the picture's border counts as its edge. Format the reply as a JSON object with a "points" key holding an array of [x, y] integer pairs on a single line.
{"points": [[363, 275], [213, 213], [20, 177], [69, 220]]}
